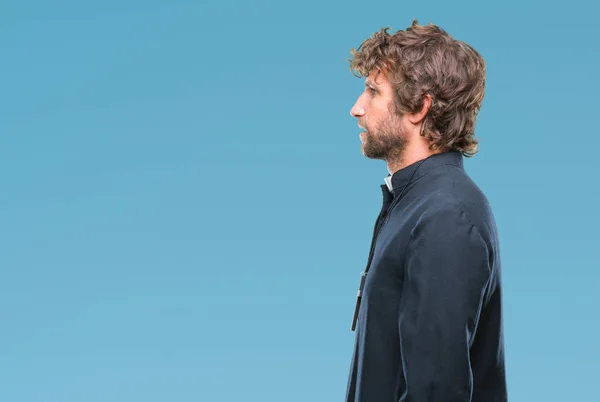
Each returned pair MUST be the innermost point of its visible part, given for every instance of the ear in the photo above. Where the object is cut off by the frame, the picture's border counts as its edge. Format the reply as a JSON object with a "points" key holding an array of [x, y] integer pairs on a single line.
{"points": [[416, 118]]}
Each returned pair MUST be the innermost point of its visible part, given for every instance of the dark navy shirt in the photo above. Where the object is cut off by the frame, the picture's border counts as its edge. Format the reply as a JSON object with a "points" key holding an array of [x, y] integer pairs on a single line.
{"points": [[430, 319]]}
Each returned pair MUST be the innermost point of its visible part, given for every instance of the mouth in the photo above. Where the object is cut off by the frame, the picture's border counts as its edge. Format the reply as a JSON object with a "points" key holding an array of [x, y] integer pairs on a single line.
{"points": [[363, 133]]}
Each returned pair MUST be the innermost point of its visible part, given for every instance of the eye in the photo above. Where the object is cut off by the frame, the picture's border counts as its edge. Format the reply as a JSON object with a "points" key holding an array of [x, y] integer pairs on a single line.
{"points": [[373, 91]]}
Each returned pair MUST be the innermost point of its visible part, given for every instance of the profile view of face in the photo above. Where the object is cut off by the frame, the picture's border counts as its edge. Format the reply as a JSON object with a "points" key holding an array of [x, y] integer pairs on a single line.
{"points": [[384, 135]]}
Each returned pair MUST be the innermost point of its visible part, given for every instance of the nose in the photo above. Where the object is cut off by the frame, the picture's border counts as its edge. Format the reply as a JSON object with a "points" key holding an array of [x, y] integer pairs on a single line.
{"points": [[357, 110]]}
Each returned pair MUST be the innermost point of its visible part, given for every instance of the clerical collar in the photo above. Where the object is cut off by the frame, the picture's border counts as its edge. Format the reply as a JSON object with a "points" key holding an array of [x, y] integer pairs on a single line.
{"points": [[400, 178], [388, 181]]}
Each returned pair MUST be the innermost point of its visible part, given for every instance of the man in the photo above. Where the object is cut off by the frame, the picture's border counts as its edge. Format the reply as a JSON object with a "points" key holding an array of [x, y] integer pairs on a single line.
{"points": [[428, 318]]}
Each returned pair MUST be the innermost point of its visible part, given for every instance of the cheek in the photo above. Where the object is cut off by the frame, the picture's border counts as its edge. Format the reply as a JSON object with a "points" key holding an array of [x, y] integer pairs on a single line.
{"points": [[375, 118]]}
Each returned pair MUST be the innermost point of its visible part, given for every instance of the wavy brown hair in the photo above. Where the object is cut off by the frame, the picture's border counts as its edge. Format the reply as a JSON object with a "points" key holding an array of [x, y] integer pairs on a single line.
{"points": [[426, 60]]}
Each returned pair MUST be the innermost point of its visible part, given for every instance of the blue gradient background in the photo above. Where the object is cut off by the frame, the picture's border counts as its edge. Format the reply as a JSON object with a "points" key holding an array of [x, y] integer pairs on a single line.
{"points": [[185, 210]]}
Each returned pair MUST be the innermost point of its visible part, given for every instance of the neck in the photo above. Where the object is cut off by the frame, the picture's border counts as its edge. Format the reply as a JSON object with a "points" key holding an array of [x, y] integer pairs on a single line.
{"points": [[414, 152]]}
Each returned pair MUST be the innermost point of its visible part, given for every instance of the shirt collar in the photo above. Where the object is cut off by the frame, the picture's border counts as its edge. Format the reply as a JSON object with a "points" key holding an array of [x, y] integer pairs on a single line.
{"points": [[388, 182], [400, 178]]}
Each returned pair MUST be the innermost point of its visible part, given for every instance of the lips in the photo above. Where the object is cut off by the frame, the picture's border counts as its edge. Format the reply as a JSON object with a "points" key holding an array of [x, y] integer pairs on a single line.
{"points": [[363, 134]]}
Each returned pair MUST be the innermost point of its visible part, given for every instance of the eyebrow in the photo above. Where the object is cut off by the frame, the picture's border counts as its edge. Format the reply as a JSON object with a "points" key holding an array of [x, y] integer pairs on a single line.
{"points": [[369, 84]]}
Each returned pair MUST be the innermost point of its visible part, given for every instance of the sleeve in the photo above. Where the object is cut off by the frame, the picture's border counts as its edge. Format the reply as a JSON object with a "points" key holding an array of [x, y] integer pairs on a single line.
{"points": [[447, 272]]}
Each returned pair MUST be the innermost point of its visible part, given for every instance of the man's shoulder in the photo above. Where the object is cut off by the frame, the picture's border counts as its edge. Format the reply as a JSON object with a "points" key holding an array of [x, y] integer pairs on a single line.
{"points": [[456, 195]]}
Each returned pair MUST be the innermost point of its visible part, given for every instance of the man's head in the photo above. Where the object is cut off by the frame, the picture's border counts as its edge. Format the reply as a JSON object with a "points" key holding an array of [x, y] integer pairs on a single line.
{"points": [[420, 83]]}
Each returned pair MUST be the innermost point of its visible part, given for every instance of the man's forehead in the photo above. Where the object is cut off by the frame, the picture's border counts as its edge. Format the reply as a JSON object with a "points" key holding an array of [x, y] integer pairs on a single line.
{"points": [[375, 79]]}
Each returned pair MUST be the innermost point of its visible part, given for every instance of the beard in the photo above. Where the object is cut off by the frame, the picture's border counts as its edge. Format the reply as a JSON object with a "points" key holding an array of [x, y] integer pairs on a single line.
{"points": [[387, 141]]}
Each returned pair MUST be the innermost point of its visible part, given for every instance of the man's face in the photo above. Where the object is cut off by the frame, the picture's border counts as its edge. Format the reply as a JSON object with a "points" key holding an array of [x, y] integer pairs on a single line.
{"points": [[384, 136]]}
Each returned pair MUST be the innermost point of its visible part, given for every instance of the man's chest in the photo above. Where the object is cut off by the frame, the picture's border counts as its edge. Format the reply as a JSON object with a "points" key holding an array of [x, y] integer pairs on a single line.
{"points": [[386, 271]]}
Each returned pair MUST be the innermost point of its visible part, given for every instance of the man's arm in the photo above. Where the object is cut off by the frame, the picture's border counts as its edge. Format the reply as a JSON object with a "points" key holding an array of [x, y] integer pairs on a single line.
{"points": [[447, 272]]}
